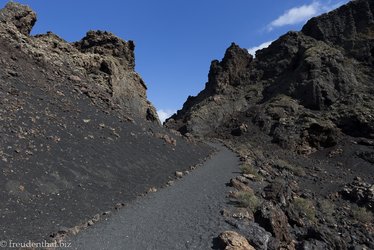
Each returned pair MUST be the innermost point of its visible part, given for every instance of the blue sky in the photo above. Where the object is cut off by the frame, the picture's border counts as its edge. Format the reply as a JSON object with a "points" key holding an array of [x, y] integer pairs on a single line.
{"points": [[177, 39]]}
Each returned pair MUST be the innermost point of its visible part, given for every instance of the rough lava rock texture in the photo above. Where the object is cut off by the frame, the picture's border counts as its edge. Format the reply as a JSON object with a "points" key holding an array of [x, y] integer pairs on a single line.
{"points": [[126, 88], [231, 240], [19, 15], [306, 90], [214, 101], [350, 27], [101, 64], [361, 193]]}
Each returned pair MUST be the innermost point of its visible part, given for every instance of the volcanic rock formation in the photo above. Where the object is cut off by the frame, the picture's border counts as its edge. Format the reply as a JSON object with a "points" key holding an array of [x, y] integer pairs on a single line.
{"points": [[305, 90], [101, 65], [301, 116]]}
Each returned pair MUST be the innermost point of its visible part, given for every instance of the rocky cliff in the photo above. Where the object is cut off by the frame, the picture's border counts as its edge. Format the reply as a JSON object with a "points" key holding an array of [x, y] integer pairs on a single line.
{"points": [[101, 65], [305, 90]]}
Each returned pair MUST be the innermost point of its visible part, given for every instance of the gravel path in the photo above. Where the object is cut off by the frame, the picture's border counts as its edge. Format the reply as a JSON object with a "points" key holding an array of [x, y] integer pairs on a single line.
{"points": [[183, 216]]}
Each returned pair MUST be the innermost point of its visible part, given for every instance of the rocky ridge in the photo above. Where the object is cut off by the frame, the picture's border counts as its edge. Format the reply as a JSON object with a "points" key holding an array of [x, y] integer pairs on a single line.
{"points": [[300, 116], [101, 65], [317, 81]]}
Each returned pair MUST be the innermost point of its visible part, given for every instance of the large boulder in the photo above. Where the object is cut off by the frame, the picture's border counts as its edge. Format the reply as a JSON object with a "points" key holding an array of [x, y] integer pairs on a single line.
{"points": [[230, 240], [273, 219]]}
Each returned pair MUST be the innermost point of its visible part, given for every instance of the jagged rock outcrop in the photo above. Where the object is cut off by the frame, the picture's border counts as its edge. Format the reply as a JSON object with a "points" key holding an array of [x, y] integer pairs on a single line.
{"points": [[220, 98], [306, 90], [101, 65], [19, 15], [126, 88]]}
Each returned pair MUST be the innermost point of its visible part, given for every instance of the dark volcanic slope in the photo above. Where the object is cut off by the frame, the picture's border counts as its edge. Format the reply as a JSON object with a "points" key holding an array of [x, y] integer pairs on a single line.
{"points": [[316, 80], [75, 135]]}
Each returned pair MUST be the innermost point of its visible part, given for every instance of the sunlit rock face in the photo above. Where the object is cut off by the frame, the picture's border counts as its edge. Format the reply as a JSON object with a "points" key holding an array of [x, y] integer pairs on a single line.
{"points": [[307, 88]]}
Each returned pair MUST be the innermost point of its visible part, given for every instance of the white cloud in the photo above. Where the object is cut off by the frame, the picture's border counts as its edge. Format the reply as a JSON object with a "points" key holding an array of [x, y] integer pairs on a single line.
{"points": [[163, 114], [302, 13], [253, 50]]}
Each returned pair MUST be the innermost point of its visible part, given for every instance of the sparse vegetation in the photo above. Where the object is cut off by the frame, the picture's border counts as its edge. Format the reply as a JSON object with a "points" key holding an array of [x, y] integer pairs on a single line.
{"points": [[305, 207], [282, 164], [327, 208], [362, 215], [247, 168], [248, 200]]}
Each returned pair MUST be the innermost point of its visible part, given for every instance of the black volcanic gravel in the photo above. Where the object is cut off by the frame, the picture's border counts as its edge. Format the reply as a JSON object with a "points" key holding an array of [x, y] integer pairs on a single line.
{"points": [[63, 159]]}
